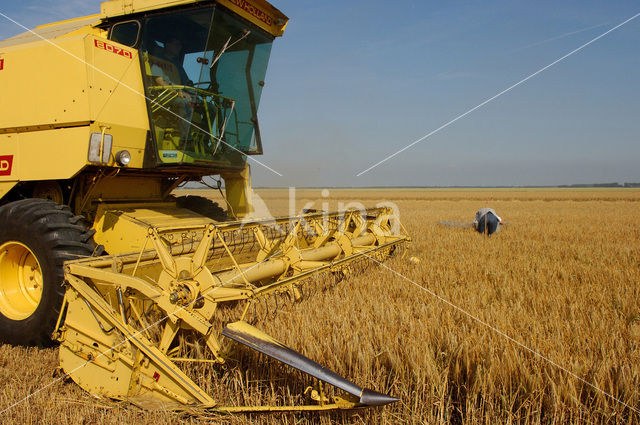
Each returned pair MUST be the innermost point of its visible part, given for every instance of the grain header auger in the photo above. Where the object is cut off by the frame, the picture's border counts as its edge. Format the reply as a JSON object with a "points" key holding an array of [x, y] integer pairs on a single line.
{"points": [[133, 102]]}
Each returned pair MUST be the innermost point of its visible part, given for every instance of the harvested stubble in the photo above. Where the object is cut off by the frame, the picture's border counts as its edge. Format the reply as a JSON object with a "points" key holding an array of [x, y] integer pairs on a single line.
{"points": [[562, 279]]}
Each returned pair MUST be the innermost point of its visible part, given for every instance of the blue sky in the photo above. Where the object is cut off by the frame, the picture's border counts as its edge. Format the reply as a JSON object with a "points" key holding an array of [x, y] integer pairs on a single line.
{"points": [[354, 81]]}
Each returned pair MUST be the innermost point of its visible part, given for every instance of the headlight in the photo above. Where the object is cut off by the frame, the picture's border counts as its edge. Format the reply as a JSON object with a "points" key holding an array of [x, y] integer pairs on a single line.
{"points": [[123, 158], [100, 148]]}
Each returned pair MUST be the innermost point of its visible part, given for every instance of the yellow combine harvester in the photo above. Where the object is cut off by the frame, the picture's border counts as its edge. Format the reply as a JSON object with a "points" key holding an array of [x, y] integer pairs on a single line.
{"points": [[102, 118]]}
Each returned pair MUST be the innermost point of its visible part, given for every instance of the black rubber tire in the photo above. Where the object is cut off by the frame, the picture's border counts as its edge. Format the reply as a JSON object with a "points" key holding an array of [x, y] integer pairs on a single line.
{"points": [[54, 235], [202, 206]]}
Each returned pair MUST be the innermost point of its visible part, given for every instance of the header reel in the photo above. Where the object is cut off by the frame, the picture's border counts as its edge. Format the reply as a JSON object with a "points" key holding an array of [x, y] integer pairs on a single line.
{"points": [[128, 319]]}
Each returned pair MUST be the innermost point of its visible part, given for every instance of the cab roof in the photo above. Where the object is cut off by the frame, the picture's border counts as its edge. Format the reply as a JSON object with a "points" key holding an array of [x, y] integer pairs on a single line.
{"points": [[51, 31], [259, 12]]}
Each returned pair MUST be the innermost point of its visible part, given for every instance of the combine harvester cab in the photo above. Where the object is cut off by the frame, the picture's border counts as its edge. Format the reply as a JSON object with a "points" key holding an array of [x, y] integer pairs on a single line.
{"points": [[149, 95]]}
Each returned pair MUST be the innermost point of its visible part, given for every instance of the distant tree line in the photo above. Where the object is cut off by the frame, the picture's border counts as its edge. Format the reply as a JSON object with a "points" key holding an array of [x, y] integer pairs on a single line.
{"points": [[602, 185]]}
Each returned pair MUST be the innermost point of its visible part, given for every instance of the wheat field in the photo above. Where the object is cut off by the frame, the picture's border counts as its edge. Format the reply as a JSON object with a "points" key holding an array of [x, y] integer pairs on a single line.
{"points": [[537, 324]]}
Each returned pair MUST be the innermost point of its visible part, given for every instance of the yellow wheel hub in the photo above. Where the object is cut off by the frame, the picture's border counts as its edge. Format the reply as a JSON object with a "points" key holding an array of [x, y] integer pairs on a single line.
{"points": [[20, 281]]}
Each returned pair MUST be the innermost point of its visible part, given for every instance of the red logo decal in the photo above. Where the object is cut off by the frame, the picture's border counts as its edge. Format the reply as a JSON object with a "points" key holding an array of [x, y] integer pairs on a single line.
{"points": [[1, 64], [6, 163], [113, 49], [156, 376]]}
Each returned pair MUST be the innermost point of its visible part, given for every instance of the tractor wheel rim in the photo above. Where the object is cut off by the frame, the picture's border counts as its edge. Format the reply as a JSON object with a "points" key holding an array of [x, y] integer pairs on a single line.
{"points": [[20, 281]]}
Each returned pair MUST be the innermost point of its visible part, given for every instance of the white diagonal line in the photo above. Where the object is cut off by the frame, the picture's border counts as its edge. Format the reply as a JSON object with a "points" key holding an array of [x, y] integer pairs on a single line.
{"points": [[136, 92], [501, 333], [557, 37], [497, 95]]}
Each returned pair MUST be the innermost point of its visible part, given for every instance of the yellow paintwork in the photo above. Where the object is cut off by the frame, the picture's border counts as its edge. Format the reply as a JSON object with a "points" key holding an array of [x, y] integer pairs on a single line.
{"points": [[238, 191], [56, 75], [96, 17], [39, 156], [55, 30], [116, 98], [116, 370], [87, 100], [20, 281], [122, 228]]}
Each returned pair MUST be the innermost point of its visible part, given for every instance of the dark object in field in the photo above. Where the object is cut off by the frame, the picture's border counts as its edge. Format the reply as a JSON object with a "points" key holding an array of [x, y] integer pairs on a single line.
{"points": [[487, 221]]}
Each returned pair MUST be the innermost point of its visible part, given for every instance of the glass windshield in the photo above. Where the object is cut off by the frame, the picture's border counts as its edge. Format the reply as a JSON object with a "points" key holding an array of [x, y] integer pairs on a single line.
{"points": [[205, 71]]}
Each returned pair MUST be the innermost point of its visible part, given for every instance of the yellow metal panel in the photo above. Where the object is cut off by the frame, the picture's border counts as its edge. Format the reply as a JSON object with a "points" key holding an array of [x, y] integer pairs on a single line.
{"points": [[116, 95], [101, 362], [126, 138], [124, 228], [128, 189], [51, 154], [72, 22], [42, 127], [238, 190], [113, 8], [70, 27], [49, 90], [72, 93]]}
